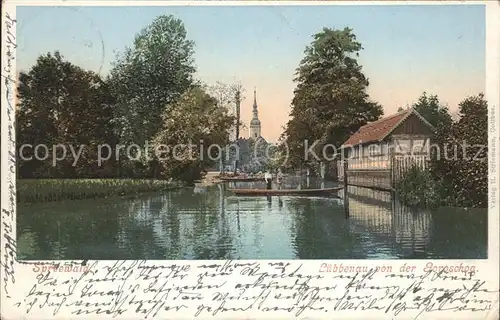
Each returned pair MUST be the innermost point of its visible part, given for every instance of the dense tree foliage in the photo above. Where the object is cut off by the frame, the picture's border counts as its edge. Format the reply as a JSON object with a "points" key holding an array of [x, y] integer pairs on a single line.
{"points": [[459, 155], [62, 104], [189, 127], [152, 74], [433, 111], [470, 183], [330, 101], [461, 174], [439, 117], [418, 189], [146, 78]]}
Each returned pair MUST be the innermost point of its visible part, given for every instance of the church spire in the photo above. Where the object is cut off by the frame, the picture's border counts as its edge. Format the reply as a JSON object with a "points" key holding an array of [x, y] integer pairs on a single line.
{"points": [[254, 98], [255, 112], [255, 123]]}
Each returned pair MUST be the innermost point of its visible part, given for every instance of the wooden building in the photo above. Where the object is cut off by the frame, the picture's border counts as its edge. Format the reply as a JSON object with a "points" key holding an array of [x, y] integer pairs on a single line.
{"points": [[379, 152]]}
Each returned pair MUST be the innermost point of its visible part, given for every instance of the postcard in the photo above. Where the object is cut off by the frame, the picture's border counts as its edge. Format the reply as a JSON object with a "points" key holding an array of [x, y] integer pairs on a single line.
{"points": [[250, 160]]}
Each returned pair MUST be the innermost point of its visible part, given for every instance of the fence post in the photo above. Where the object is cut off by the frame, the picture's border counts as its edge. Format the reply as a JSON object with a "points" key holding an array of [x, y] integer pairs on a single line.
{"points": [[346, 198], [391, 167], [345, 175]]}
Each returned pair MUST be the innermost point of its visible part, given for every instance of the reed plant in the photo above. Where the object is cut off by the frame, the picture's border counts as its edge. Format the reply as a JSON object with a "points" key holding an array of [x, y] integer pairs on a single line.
{"points": [[45, 190]]}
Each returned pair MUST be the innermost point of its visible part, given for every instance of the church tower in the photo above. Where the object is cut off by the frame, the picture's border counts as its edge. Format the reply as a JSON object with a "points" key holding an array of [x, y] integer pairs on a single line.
{"points": [[255, 123]]}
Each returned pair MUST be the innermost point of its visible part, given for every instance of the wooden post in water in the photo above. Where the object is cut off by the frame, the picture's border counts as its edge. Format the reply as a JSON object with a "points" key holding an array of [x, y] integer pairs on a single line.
{"points": [[322, 172], [221, 164], [345, 174], [221, 199]]}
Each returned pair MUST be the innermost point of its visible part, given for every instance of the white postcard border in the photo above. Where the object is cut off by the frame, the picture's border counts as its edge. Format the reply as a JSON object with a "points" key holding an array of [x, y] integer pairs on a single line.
{"points": [[16, 296]]}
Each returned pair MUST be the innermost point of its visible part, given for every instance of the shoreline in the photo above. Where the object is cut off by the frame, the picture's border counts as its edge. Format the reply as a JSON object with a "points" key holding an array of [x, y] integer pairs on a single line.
{"points": [[210, 179], [59, 190]]}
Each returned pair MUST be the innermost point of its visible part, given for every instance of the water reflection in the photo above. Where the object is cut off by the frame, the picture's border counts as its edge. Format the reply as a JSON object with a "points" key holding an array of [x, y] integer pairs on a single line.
{"points": [[211, 223], [379, 214]]}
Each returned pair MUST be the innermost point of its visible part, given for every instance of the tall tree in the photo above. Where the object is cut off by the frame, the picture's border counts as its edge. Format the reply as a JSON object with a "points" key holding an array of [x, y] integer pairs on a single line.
{"points": [[195, 117], [150, 75], [60, 103], [433, 111], [439, 117], [470, 184], [330, 101], [461, 173]]}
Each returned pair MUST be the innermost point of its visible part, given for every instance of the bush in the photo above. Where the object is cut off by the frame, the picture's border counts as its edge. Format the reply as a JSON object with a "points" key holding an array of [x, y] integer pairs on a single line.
{"points": [[417, 188]]}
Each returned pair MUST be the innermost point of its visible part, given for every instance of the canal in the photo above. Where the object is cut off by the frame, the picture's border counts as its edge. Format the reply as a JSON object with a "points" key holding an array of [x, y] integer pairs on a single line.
{"points": [[210, 223]]}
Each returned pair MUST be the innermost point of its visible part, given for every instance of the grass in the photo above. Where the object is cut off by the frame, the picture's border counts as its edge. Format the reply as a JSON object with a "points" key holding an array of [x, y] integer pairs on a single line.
{"points": [[46, 190]]}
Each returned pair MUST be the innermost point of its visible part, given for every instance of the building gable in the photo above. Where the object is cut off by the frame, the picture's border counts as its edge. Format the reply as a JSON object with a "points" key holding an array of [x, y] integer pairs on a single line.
{"points": [[412, 125], [377, 131]]}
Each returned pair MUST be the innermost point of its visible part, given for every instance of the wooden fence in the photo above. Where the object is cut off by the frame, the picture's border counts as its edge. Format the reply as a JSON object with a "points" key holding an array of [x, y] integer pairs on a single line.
{"points": [[401, 164], [382, 178], [376, 179]]}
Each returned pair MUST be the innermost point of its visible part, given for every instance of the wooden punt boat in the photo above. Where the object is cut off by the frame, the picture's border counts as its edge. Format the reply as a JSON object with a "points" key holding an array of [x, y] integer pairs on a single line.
{"points": [[242, 179], [276, 192]]}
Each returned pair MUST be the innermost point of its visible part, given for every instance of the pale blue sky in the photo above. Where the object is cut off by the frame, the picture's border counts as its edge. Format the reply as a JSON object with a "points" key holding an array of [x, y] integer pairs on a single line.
{"points": [[407, 49]]}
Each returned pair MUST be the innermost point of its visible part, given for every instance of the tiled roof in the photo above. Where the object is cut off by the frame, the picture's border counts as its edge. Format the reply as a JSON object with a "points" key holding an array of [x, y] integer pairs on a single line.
{"points": [[377, 130]]}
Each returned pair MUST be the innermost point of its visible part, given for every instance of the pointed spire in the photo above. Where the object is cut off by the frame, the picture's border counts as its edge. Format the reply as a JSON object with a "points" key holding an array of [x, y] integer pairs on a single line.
{"points": [[254, 98], [255, 122], [254, 111]]}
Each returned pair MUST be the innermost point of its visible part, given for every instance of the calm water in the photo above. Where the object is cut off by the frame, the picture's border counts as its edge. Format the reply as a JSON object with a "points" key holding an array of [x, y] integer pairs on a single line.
{"points": [[210, 223]]}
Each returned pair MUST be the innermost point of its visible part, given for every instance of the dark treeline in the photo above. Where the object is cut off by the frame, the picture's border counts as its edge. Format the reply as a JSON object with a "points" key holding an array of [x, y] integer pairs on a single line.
{"points": [[150, 97]]}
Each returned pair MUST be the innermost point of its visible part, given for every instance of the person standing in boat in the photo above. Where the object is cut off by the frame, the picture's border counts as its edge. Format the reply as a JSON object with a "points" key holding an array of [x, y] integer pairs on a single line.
{"points": [[279, 178], [269, 180]]}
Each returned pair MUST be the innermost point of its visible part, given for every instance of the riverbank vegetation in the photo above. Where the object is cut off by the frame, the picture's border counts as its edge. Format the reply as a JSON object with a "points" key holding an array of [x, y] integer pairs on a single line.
{"points": [[46, 190], [418, 189], [458, 175]]}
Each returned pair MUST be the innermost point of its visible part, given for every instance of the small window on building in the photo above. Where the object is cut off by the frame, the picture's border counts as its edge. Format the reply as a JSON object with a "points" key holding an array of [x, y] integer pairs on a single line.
{"points": [[384, 148], [374, 150], [418, 146], [403, 146]]}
